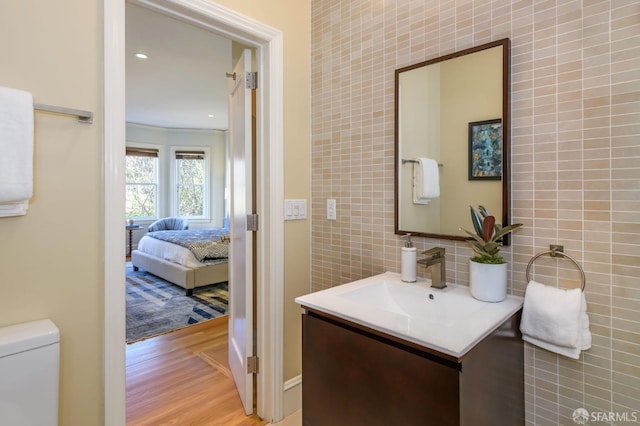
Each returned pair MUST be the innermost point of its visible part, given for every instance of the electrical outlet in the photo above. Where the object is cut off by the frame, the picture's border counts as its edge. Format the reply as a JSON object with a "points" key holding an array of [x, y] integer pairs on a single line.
{"points": [[331, 209]]}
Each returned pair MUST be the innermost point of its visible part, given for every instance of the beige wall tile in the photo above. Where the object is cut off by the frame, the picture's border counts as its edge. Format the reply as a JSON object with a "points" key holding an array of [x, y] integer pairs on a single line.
{"points": [[575, 162]]}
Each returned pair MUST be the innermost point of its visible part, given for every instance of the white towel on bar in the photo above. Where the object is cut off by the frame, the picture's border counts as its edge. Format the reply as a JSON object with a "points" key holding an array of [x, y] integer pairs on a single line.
{"points": [[556, 319], [426, 180], [16, 151]]}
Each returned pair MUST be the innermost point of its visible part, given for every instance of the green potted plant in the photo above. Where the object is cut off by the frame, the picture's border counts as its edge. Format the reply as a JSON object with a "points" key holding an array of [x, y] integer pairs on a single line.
{"points": [[487, 269]]}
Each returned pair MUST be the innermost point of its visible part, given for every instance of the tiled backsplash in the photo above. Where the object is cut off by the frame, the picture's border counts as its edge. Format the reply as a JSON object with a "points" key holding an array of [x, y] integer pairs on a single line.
{"points": [[575, 165]]}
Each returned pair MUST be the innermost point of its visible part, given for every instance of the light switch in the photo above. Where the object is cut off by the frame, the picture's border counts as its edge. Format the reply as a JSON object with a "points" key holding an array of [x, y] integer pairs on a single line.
{"points": [[295, 209], [331, 209]]}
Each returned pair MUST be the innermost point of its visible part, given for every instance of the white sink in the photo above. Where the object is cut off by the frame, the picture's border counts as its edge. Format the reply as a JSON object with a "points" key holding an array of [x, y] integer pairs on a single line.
{"points": [[414, 302], [448, 320]]}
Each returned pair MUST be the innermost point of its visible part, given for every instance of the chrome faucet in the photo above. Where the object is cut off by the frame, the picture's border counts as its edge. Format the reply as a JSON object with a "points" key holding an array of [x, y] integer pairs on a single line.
{"points": [[435, 259]]}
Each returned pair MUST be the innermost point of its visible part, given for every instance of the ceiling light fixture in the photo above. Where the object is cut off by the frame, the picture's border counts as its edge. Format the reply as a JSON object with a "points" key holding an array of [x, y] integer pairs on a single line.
{"points": [[210, 115], [141, 56]]}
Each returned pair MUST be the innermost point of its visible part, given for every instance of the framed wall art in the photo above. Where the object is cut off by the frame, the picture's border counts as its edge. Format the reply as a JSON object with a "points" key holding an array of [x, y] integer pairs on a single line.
{"points": [[485, 150]]}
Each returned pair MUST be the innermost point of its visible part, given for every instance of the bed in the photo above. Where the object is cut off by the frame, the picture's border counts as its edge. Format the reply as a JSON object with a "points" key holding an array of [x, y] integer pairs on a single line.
{"points": [[187, 258]]}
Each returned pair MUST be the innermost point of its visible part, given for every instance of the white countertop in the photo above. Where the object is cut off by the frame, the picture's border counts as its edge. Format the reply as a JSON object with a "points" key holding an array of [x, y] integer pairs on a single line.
{"points": [[450, 320]]}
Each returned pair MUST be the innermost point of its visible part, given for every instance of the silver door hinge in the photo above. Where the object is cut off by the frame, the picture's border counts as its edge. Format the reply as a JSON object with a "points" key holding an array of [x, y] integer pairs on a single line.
{"points": [[252, 365], [252, 222], [252, 80]]}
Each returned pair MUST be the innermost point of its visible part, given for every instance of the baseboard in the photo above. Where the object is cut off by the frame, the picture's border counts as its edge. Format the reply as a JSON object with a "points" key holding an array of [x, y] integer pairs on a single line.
{"points": [[292, 395]]}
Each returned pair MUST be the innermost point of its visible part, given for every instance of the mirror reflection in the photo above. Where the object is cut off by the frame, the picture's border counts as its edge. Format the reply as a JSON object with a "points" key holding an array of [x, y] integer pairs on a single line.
{"points": [[452, 133]]}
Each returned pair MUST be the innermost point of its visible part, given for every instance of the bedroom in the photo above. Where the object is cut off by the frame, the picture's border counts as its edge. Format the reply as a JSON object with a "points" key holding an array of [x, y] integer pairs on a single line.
{"points": [[177, 166], [191, 255], [176, 141]]}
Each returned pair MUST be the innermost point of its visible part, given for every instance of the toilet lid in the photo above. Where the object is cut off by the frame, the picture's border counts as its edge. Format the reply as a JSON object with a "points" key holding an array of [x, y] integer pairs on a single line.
{"points": [[27, 336]]}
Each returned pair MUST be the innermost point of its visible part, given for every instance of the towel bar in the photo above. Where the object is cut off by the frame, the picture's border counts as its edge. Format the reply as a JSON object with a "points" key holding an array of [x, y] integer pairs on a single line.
{"points": [[83, 116], [557, 251], [415, 161]]}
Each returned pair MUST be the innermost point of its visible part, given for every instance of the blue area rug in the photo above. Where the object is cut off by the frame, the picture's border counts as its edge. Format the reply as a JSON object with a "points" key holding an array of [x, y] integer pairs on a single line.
{"points": [[155, 306]]}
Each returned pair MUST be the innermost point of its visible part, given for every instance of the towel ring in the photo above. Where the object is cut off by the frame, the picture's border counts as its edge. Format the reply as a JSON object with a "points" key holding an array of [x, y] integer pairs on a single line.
{"points": [[557, 251]]}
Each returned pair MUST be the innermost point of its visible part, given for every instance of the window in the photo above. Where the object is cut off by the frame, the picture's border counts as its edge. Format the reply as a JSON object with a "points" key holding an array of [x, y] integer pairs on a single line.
{"points": [[141, 176], [191, 183]]}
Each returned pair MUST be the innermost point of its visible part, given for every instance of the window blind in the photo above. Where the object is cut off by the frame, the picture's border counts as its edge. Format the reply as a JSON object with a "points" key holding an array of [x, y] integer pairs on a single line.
{"points": [[142, 152], [189, 155]]}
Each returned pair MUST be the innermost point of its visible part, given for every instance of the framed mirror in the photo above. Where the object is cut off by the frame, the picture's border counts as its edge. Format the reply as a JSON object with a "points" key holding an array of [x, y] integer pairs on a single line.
{"points": [[452, 141]]}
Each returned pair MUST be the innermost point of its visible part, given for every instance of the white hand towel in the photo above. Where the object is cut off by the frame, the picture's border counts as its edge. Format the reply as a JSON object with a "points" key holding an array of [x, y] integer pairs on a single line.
{"points": [[16, 151], [18, 208], [426, 181], [555, 319]]}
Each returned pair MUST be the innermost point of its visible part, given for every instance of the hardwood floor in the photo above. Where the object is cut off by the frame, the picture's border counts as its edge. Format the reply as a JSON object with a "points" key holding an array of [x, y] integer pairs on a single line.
{"points": [[183, 378]]}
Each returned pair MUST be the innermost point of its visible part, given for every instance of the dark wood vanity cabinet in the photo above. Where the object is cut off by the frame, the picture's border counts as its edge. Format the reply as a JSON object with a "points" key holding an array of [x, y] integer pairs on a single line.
{"points": [[353, 376]]}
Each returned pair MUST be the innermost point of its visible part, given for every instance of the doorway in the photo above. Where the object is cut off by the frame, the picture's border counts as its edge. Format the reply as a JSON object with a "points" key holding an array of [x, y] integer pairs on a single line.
{"points": [[268, 44], [177, 101]]}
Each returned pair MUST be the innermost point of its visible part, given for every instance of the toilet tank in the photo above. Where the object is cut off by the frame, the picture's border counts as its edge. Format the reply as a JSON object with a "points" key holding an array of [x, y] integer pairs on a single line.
{"points": [[29, 374]]}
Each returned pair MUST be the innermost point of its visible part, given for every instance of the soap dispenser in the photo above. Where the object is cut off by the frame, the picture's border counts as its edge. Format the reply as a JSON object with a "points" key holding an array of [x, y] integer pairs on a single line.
{"points": [[408, 261]]}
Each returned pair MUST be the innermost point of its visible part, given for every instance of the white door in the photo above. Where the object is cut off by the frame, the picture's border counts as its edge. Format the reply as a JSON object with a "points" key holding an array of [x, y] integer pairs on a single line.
{"points": [[241, 248]]}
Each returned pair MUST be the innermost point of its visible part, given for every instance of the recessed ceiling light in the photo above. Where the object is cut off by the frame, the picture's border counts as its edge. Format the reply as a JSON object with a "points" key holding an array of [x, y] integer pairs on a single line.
{"points": [[210, 115], [141, 56]]}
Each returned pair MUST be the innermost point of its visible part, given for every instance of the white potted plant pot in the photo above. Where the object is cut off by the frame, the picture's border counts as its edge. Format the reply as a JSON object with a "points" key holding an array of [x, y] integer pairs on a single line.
{"points": [[488, 282]]}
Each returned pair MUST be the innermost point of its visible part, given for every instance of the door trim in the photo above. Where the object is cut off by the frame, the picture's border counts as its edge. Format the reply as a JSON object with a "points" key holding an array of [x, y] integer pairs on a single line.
{"points": [[269, 161]]}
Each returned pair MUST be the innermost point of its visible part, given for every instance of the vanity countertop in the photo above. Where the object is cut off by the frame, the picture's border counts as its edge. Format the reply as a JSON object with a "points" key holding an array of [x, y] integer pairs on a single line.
{"points": [[446, 320]]}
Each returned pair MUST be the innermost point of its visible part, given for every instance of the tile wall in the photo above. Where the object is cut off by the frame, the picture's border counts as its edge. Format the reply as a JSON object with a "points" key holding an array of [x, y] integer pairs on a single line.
{"points": [[575, 165]]}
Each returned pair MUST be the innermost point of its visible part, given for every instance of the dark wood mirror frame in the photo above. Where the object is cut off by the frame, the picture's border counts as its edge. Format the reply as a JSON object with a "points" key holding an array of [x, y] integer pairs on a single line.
{"points": [[506, 134]]}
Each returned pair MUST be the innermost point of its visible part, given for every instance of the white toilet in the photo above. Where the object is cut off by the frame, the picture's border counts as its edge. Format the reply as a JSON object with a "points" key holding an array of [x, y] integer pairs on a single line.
{"points": [[29, 372]]}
